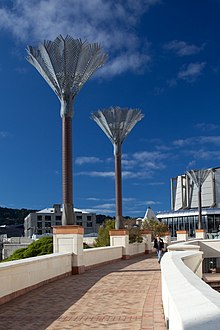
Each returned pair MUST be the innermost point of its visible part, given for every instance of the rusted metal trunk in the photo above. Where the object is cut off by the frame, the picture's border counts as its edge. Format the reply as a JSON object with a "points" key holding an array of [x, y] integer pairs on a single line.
{"points": [[68, 216], [118, 187]]}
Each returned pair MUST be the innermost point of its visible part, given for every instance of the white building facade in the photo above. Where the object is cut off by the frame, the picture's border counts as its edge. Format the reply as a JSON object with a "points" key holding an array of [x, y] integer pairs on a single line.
{"points": [[41, 222], [184, 204]]}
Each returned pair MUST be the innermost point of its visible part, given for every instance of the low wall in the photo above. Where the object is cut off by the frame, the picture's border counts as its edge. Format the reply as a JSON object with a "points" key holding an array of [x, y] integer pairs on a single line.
{"points": [[9, 248], [20, 276], [189, 303], [136, 248], [101, 255]]}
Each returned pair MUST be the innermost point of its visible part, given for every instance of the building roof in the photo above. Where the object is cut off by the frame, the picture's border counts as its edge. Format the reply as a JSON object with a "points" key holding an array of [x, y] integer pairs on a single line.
{"points": [[51, 210], [150, 215], [190, 212]]}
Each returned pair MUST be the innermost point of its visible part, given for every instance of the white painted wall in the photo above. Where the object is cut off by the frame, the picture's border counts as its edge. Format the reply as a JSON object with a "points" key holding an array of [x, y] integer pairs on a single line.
{"points": [[21, 274], [136, 248], [189, 303], [99, 255]]}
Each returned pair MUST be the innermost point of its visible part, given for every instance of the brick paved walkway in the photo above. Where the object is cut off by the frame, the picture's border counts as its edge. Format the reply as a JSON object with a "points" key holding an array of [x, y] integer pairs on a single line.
{"points": [[124, 295]]}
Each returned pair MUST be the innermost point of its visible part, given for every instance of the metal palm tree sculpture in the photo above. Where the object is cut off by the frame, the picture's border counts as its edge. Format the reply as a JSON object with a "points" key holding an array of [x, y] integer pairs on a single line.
{"points": [[66, 64], [198, 177], [117, 124]]}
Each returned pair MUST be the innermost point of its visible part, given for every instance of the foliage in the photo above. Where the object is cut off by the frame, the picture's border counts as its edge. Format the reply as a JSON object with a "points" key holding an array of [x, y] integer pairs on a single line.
{"points": [[13, 216], [86, 246], [40, 247], [157, 228], [135, 235], [103, 238]]}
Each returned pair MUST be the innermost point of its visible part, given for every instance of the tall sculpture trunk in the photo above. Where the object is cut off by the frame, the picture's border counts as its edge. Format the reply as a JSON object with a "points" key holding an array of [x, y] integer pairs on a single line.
{"points": [[200, 207], [68, 215], [118, 187]]}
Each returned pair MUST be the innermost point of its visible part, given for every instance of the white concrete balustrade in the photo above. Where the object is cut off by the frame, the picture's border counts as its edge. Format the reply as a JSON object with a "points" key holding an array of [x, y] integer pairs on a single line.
{"points": [[18, 277], [189, 303], [97, 256]]}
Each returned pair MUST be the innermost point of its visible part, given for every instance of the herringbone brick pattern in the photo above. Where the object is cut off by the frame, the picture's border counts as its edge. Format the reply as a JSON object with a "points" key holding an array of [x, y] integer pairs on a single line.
{"points": [[124, 295]]}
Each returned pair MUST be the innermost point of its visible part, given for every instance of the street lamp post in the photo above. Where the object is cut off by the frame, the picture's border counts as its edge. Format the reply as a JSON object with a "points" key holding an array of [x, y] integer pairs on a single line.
{"points": [[198, 177], [66, 64], [117, 123]]}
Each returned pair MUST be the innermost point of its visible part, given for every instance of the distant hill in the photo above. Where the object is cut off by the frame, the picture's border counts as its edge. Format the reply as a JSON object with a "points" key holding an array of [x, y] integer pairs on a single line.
{"points": [[12, 217], [13, 221]]}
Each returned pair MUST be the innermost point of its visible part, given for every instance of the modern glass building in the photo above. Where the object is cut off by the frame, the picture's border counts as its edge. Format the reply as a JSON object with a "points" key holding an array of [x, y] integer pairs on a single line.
{"points": [[184, 203]]}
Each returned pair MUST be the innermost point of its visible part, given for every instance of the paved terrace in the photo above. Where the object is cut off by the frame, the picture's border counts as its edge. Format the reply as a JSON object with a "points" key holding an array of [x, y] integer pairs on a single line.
{"points": [[124, 295]]}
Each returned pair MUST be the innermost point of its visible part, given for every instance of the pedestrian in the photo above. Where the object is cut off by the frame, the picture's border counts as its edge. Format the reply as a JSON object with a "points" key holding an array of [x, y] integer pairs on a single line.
{"points": [[158, 245]]}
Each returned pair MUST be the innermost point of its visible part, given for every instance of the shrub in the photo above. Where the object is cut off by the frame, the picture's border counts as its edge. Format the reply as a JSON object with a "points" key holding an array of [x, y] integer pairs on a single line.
{"points": [[135, 235], [157, 228], [38, 248], [103, 238]]}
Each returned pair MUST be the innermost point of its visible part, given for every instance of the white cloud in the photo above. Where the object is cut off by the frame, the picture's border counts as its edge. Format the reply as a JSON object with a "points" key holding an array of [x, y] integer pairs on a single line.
{"points": [[109, 22], [204, 154], [207, 126], [87, 160], [215, 140], [92, 199], [191, 71], [181, 48], [106, 205], [4, 134], [156, 183], [98, 174]]}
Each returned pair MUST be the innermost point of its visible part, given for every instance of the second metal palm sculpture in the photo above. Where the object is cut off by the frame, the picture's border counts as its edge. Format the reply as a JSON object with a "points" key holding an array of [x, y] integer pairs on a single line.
{"points": [[198, 177], [117, 124], [66, 64]]}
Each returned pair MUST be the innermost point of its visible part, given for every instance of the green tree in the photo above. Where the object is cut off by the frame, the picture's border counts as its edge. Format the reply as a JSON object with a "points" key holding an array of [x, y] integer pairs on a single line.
{"points": [[156, 227], [103, 238], [38, 248], [135, 235]]}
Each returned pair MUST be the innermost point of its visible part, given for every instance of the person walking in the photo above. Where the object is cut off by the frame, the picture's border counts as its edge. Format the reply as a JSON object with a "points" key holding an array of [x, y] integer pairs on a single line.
{"points": [[158, 245]]}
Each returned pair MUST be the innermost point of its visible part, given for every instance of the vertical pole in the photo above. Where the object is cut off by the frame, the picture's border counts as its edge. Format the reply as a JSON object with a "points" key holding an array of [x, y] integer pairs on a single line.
{"points": [[199, 207], [68, 216], [118, 186]]}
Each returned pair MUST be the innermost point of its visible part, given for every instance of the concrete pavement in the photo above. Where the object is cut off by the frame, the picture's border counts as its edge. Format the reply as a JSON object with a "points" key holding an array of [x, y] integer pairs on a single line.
{"points": [[124, 295]]}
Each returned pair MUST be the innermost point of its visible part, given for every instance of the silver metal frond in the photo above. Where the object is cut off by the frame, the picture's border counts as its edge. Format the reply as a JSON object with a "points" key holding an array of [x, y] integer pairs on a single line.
{"points": [[117, 122], [66, 64], [198, 176]]}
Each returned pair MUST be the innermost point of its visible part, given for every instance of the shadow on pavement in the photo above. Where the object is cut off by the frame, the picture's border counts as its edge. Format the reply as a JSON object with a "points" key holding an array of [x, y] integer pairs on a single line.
{"points": [[39, 308]]}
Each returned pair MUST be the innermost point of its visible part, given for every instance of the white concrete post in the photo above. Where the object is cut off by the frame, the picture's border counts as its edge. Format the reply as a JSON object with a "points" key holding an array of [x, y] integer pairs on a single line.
{"points": [[70, 239], [167, 239], [182, 235], [120, 237], [147, 237], [201, 233]]}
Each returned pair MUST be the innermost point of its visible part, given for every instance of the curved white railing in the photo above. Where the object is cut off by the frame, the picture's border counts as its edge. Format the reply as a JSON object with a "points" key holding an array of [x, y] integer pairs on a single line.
{"points": [[189, 303]]}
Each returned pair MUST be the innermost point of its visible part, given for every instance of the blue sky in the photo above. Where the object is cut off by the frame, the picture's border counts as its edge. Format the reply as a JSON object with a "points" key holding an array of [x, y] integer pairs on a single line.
{"points": [[164, 59]]}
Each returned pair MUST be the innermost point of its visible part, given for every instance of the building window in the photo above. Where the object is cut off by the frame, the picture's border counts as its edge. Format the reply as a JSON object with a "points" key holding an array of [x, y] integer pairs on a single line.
{"points": [[79, 223], [47, 217], [39, 224], [39, 232], [58, 223], [58, 217], [89, 224], [39, 217], [89, 218], [79, 217], [47, 224]]}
